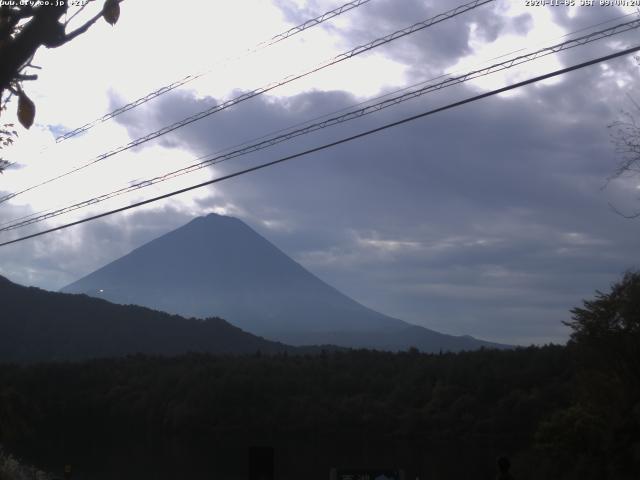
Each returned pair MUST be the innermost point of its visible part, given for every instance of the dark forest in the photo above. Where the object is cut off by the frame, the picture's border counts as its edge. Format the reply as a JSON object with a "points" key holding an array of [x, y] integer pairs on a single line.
{"points": [[558, 411]]}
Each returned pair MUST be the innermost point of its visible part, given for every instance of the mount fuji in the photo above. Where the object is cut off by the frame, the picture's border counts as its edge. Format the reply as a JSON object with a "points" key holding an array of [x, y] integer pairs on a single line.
{"points": [[218, 266]]}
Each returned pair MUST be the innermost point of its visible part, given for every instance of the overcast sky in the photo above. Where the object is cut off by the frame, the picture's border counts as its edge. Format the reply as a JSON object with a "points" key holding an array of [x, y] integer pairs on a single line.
{"points": [[493, 219]]}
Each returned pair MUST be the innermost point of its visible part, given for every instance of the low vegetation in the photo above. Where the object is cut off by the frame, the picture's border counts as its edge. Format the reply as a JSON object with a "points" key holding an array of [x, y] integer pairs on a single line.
{"points": [[12, 469]]}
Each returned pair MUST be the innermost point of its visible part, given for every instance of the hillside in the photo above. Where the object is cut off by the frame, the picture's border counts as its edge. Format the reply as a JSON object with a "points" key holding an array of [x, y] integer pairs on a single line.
{"points": [[36, 325]]}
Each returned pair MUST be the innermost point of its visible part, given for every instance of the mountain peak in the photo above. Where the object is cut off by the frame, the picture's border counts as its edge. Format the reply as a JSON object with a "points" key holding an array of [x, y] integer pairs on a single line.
{"points": [[213, 218], [222, 223], [216, 265], [217, 216]]}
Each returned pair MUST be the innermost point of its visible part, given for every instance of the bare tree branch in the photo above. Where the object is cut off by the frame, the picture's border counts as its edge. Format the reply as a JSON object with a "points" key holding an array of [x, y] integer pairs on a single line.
{"points": [[625, 136], [43, 28], [77, 12], [82, 29], [22, 77], [23, 30]]}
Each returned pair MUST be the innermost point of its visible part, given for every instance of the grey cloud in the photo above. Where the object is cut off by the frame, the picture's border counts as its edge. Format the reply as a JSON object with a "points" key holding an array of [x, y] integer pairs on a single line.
{"points": [[428, 52], [578, 18], [487, 220], [52, 261], [522, 24]]}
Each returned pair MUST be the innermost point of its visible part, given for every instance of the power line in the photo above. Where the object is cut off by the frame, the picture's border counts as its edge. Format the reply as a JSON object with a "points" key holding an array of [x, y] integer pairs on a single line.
{"points": [[410, 87], [335, 143], [189, 78], [350, 115], [272, 41], [254, 93]]}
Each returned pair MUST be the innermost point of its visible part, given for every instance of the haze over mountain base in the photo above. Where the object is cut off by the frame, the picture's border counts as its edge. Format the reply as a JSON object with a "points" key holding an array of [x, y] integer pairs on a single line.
{"points": [[218, 266], [36, 325]]}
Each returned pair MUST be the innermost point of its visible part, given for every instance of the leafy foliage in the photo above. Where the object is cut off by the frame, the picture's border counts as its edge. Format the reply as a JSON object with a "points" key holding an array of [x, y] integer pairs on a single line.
{"points": [[26, 110], [7, 136], [478, 400], [111, 11], [601, 430], [24, 28], [611, 316]]}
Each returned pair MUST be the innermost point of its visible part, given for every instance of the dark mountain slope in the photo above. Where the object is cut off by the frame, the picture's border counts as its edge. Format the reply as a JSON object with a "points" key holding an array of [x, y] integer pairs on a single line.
{"points": [[217, 265], [36, 325]]}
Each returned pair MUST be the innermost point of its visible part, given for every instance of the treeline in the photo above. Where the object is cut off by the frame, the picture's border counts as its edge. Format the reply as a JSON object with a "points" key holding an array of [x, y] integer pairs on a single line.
{"points": [[480, 396], [36, 325], [12, 469], [561, 412], [495, 399], [536, 404]]}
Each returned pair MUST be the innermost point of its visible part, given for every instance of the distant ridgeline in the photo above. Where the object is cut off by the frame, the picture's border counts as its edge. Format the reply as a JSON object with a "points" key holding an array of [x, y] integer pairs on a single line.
{"points": [[36, 325], [218, 266]]}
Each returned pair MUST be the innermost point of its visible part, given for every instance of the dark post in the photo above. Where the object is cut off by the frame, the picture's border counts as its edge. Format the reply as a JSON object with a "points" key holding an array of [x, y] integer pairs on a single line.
{"points": [[261, 463]]}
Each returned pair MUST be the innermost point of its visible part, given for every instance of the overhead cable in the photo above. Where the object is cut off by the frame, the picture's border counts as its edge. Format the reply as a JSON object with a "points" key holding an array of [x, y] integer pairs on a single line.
{"points": [[327, 122], [254, 93], [190, 78], [332, 144]]}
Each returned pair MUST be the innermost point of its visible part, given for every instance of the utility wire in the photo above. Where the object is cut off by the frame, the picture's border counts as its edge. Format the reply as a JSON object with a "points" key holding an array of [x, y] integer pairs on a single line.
{"points": [[275, 39], [189, 78], [50, 213], [333, 144], [350, 115], [403, 89], [254, 93], [610, 20]]}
